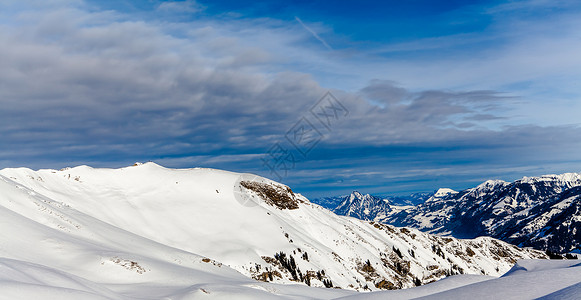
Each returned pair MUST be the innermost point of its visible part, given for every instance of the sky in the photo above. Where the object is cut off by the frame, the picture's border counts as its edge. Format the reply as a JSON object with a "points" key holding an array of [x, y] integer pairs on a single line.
{"points": [[383, 97]]}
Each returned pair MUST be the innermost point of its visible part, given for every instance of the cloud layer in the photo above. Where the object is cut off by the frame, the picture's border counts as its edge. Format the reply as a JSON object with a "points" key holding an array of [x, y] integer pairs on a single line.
{"points": [[87, 86]]}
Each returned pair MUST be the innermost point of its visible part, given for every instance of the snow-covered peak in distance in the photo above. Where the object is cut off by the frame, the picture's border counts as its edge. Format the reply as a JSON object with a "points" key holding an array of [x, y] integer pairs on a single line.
{"points": [[488, 186], [395, 202], [186, 229], [356, 194], [364, 207], [562, 181], [442, 192]]}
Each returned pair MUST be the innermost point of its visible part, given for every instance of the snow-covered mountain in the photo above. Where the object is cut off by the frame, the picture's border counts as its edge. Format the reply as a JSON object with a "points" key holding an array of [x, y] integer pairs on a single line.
{"points": [[441, 193], [333, 202], [379, 209], [150, 232], [542, 212], [364, 207]]}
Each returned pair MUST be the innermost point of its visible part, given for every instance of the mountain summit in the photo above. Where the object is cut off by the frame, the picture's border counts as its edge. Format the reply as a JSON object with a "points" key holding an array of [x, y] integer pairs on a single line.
{"points": [[364, 207]]}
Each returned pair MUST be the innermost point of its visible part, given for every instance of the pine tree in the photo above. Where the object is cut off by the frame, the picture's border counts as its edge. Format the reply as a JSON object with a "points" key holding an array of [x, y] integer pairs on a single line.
{"points": [[417, 282], [397, 252]]}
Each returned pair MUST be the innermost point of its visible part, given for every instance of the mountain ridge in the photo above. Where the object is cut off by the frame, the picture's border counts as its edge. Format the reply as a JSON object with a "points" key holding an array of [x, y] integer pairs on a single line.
{"points": [[541, 212]]}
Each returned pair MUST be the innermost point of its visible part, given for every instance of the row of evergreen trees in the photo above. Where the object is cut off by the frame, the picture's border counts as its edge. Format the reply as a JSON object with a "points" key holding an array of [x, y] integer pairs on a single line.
{"points": [[553, 255], [290, 265]]}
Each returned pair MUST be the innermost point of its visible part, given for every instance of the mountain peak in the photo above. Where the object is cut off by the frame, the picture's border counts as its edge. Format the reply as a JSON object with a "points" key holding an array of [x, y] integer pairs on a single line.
{"points": [[442, 192], [357, 194], [362, 206], [148, 164], [574, 178]]}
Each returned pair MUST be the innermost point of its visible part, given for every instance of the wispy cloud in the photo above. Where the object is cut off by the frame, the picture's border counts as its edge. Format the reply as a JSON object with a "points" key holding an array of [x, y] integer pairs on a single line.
{"points": [[188, 6], [315, 35]]}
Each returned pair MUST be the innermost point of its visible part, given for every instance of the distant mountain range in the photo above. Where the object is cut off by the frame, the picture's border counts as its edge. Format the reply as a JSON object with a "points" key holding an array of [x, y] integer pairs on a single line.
{"points": [[333, 202], [541, 212], [374, 208]]}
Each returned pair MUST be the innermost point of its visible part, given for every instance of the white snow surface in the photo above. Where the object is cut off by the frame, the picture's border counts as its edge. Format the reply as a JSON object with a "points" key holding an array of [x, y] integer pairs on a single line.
{"points": [[441, 192], [148, 232]]}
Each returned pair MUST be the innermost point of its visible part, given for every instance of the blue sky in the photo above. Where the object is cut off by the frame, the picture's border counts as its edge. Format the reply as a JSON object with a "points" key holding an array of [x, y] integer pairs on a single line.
{"points": [[432, 93]]}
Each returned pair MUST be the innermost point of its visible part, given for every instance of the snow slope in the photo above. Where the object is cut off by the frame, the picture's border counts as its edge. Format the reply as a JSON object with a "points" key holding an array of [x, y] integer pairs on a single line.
{"points": [[149, 232], [48, 247]]}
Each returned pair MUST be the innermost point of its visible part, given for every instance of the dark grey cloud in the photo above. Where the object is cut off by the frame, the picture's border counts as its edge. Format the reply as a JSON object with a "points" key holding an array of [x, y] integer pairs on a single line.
{"points": [[126, 88], [432, 107], [391, 115]]}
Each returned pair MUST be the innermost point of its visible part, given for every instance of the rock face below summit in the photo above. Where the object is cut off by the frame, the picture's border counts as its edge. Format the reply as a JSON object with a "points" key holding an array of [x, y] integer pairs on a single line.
{"points": [[274, 194]]}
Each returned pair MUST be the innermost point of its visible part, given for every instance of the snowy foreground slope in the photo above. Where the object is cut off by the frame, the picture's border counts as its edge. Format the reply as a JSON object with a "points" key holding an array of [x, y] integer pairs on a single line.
{"points": [[148, 232], [528, 279]]}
